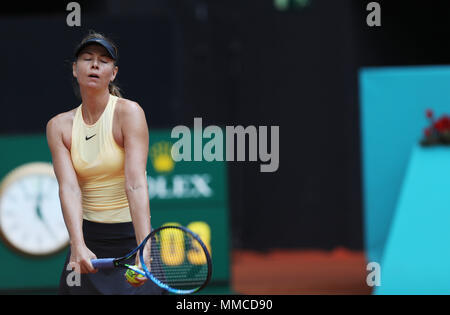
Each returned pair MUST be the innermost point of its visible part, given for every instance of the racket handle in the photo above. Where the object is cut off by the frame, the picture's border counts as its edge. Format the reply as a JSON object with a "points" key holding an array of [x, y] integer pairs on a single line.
{"points": [[103, 263]]}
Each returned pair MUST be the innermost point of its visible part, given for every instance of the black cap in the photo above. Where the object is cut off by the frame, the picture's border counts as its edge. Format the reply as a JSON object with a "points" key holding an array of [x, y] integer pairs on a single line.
{"points": [[109, 48]]}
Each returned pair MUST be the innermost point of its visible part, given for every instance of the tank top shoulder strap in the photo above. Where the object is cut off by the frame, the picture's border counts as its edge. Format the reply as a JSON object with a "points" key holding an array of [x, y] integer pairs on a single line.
{"points": [[76, 127], [108, 117]]}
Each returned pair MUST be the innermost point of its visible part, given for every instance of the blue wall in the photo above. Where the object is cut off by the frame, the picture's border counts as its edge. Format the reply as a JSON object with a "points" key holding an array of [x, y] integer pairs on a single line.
{"points": [[393, 103], [416, 255]]}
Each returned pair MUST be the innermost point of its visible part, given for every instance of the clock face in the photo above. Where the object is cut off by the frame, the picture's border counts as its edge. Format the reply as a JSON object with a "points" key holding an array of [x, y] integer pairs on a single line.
{"points": [[31, 219]]}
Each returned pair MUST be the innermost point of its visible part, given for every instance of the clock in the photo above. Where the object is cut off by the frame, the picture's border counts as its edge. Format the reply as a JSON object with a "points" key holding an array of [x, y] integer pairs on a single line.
{"points": [[31, 220]]}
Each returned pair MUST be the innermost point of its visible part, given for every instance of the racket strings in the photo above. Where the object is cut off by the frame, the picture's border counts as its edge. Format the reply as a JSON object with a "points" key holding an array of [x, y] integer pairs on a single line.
{"points": [[178, 259]]}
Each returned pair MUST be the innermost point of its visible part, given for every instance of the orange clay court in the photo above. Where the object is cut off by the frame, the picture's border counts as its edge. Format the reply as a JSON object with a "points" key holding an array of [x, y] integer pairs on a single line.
{"points": [[340, 271]]}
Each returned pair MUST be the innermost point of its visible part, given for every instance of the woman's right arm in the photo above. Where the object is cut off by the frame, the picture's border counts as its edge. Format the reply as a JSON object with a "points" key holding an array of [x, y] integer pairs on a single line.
{"points": [[69, 194]]}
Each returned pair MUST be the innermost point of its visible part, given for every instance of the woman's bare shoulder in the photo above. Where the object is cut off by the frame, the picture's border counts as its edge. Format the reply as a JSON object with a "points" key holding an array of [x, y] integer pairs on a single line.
{"points": [[126, 106], [60, 127], [131, 116], [61, 120], [129, 111]]}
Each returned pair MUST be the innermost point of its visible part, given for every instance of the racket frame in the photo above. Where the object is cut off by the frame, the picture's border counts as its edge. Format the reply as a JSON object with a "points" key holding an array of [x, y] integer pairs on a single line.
{"points": [[104, 263]]}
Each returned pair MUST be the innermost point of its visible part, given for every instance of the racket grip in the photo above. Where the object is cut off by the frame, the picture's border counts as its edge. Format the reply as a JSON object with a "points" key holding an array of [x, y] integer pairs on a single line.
{"points": [[103, 263]]}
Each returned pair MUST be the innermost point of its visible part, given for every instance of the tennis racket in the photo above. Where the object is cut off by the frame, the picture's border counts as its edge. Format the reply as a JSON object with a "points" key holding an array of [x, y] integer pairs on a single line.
{"points": [[180, 261]]}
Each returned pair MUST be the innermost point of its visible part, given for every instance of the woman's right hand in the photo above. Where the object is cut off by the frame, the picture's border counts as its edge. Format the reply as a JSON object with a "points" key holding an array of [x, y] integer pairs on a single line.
{"points": [[80, 259]]}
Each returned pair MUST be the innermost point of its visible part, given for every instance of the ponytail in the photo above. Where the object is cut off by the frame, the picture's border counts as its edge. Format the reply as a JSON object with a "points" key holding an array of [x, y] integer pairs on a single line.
{"points": [[114, 90]]}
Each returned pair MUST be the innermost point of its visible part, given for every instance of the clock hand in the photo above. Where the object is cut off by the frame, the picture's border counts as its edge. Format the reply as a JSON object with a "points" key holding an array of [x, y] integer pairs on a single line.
{"points": [[39, 212], [38, 201], [43, 221], [38, 207]]}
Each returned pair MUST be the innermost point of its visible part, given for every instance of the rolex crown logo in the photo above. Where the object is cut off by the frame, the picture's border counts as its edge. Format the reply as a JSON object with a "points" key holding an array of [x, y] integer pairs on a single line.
{"points": [[161, 158]]}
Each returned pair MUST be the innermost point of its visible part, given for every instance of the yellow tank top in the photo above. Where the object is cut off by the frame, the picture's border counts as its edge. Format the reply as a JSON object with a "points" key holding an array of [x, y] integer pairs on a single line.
{"points": [[99, 163]]}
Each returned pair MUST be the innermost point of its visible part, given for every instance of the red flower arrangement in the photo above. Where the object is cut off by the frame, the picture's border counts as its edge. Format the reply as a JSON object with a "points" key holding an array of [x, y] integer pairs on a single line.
{"points": [[439, 131]]}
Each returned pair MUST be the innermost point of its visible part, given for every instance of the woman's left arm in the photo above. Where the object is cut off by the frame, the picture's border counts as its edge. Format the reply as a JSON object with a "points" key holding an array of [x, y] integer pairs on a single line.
{"points": [[135, 139]]}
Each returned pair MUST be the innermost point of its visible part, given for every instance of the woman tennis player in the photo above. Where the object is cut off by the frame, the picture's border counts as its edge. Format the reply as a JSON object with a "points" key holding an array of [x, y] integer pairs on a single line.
{"points": [[99, 151]]}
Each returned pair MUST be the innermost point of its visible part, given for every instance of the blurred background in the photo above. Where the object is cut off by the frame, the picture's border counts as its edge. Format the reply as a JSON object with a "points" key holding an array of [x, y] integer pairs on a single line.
{"points": [[308, 66]]}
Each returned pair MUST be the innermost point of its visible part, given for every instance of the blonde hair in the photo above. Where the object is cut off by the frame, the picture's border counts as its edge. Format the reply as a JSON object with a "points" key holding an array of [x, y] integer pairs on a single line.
{"points": [[112, 87]]}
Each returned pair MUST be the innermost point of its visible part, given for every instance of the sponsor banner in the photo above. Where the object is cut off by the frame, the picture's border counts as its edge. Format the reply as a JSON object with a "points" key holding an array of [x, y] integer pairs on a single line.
{"points": [[182, 183]]}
